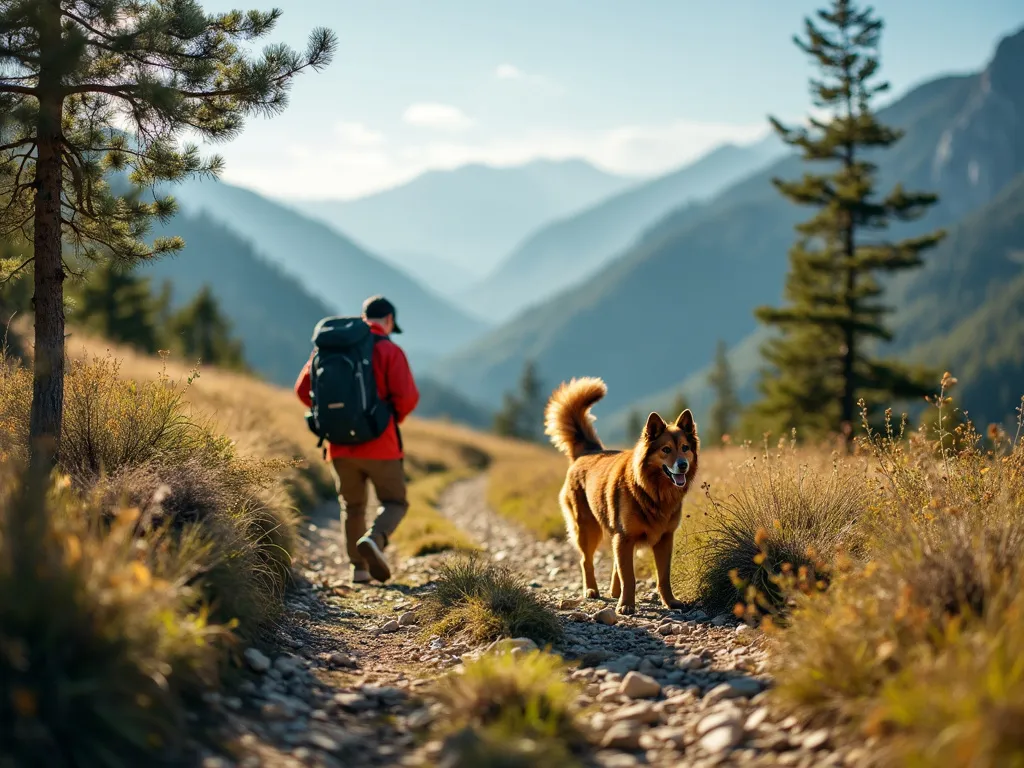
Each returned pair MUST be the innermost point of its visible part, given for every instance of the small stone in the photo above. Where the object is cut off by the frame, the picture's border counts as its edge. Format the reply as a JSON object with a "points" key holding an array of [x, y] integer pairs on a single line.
{"points": [[743, 630], [639, 686], [739, 687], [389, 627], [721, 739], [322, 741], [511, 645], [215, 762], [623, 664], [407, 619], [756, 718], [690, 661], [721, 620], [568, 603], [815, 739], [641, 712], [666, 629], [257, 661], [275, 710], [622, 735], [593, 658], [343, 660], [577, 616], [606, 616], [353, 702], [647, 667]]}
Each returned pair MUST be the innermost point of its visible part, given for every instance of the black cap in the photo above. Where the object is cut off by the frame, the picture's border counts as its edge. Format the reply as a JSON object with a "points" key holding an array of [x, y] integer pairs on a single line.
{"points": [[377, 308]]}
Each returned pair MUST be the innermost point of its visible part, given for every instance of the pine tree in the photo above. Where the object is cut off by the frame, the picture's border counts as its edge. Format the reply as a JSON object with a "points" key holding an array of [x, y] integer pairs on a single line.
{"points": [[679, 404], [522, 411], [119, 305], [634, 425], [202, 332], [92, 89], [821, 366], [726, 406]]}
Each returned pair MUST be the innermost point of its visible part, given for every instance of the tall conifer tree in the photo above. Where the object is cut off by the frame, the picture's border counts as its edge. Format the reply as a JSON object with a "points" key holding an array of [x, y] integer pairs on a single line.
{"points": [[89, 88], [822, 364], [726, 407]]}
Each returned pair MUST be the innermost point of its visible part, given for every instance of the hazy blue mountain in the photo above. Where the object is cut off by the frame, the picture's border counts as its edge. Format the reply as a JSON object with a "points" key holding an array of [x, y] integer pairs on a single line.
{"points": [[331, 267], [469, 217], [650, 319], [567, 251]]}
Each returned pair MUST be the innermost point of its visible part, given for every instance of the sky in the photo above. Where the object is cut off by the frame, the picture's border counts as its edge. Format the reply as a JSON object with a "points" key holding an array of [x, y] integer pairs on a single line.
{"points": [[636, 88]]}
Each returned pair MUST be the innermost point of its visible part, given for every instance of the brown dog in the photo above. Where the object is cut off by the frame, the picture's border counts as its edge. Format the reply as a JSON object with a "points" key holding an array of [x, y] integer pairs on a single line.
{"points": [[634, 496]]}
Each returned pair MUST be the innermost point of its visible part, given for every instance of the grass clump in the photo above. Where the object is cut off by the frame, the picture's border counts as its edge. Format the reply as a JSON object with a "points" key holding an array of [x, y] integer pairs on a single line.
{"points": [[101, 639], [125, 590], [513, 712], [919, 642], [481, 601], [779, 532]]}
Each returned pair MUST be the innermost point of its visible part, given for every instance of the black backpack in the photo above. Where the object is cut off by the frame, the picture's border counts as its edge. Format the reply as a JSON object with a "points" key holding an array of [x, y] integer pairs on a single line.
{"points": [[346, 408]]}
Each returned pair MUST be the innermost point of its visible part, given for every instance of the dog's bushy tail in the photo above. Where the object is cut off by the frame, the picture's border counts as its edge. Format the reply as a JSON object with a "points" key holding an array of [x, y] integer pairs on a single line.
{"points": [[567, 418]]}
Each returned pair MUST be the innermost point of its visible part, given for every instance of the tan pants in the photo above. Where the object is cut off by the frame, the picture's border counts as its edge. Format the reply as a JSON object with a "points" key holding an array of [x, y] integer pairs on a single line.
{"points": [[388, 478]]}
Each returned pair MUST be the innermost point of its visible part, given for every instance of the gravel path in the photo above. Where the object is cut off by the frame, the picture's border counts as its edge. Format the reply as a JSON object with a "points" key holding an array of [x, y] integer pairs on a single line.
{"points": [[344, 681]]}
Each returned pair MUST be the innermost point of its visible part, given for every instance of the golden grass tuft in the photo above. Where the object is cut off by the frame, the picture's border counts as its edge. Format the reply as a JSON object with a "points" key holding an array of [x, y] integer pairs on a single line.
{"points": [[481, 601], [514, 712]]}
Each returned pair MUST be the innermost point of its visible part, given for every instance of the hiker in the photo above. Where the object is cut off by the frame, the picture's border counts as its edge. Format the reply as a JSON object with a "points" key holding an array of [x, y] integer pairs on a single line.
{"points": [[357, 415]]}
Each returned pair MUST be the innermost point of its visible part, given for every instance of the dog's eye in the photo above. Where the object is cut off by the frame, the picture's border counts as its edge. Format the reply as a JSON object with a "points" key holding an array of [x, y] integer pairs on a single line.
{"points": [[666, 449], [684, 448]]}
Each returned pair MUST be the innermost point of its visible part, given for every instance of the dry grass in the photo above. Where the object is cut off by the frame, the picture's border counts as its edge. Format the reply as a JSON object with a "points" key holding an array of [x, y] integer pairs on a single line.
{"points": [[524, 488], [480, 601], [918, 642], [101, 640], [513, 712], [425, 530]]}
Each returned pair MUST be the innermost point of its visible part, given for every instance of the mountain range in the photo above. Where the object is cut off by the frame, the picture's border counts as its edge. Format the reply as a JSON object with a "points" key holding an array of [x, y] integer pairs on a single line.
{"points": [[331, 267], [648, 320], [450, 228], [569, 249]]}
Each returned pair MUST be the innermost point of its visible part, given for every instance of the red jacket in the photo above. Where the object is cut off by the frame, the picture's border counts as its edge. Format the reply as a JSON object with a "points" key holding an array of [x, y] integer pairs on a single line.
{"points": [[394, 383]]}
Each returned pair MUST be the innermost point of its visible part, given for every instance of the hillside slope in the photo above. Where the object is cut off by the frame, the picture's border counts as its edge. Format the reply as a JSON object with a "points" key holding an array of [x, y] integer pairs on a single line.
{"points": [[330, 267], [468, 217], [270, 311], [652, 317], [569, 250]]}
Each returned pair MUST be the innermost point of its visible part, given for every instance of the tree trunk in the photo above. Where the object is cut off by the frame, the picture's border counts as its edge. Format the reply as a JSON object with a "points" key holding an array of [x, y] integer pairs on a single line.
{"points": [[48, 301]]}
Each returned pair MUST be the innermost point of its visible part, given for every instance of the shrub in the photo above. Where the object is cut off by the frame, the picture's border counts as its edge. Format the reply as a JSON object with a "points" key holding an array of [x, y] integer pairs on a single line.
{"points": [[781, 530], [514, 712], [922, 643], [481, 602], [100, 639]]}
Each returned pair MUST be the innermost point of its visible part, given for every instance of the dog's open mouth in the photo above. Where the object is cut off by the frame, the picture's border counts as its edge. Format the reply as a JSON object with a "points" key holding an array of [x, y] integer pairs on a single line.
{"points": [[678, 478]]}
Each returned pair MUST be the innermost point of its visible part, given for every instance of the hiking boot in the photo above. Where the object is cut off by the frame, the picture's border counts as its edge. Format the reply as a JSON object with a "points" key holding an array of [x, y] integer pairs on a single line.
{"points": [[360, 576], [374, 556]]}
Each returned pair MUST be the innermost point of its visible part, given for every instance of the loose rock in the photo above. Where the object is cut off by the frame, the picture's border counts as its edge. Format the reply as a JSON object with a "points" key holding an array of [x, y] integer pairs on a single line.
{"points": [[638, 686], [257, 661]]}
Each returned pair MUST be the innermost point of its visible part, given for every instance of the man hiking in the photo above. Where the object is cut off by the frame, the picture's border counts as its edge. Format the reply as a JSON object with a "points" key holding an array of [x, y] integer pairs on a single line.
{"points": [[357, 415]]}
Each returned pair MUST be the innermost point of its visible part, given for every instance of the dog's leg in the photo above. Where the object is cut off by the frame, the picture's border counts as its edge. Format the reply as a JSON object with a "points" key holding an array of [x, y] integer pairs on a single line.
{"points": [[663, 560], [624, 566], [588, 544], [616, 587]]}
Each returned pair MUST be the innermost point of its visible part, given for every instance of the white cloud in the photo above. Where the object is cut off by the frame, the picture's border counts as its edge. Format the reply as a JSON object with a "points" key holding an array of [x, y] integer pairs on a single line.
{"points": [[358, 135], [358, 160], [508, 72], [442, 117]]}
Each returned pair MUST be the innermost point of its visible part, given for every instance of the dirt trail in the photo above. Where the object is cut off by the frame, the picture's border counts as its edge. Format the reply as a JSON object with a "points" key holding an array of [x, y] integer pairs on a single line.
{"points": [[344, 682]]}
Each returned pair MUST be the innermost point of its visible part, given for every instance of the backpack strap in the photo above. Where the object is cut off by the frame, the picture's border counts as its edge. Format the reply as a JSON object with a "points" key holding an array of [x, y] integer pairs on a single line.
{"points": [[391, 406]]}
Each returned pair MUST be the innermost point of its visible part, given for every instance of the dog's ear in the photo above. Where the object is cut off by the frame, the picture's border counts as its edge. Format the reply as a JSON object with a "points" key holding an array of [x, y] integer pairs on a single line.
{"points": [[686, 423], [655, 427]]}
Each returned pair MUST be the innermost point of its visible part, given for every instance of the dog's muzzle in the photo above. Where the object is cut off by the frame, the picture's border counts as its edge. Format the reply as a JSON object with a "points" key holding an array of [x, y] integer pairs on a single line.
{"points": [[677, 474]]}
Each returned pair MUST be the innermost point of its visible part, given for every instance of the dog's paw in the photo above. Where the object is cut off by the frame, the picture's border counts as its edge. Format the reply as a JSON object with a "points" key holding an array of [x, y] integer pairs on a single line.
{"points": [[591, 594], [625, 610]]}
